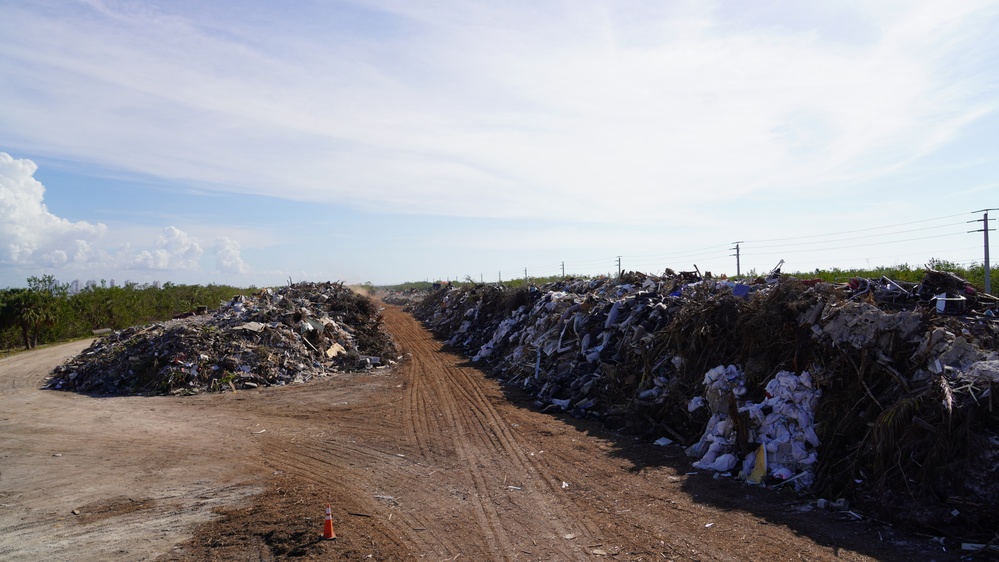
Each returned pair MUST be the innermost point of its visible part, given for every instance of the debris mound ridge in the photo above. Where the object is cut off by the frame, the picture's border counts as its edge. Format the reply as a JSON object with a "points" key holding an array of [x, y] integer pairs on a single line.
{"points": [[274, 337], [879, 391]]}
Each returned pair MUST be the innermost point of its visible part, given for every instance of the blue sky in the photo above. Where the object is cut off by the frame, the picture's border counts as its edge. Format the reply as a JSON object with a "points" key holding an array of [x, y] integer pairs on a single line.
{"points": [[252, 142]]}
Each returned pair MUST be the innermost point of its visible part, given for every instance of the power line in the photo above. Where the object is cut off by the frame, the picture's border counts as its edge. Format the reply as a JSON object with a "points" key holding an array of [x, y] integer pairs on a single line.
{"points": [[944, 251], [597, 262], [857, 245], [717, 253], [678, 253], [854, 237], [859, 230], [692, 257]]}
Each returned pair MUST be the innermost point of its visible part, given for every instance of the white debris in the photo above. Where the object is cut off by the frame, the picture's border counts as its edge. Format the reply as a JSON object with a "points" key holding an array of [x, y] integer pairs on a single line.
{"points": [[784, 423]]}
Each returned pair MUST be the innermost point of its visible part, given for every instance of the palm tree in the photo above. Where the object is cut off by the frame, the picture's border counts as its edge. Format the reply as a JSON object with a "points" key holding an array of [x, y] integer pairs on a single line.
{"points": [[30, 311], [42, 316]]}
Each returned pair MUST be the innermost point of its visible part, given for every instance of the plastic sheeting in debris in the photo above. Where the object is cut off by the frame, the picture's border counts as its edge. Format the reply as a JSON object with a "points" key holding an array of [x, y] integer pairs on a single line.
{"points": [[783, 423]]}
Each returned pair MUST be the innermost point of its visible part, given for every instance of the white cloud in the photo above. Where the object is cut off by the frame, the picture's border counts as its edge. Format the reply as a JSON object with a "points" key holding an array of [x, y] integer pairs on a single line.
{"points": [[589, 117], [173, 250], [504, 112], [35, 238], [30, 233], [227, 256], [513, 111]]}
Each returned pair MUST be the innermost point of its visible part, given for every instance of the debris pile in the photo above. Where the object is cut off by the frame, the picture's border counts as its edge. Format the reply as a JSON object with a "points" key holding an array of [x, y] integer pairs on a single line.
{"points": [[783, 426], [871, 389], [405, 298], [275, 337]]}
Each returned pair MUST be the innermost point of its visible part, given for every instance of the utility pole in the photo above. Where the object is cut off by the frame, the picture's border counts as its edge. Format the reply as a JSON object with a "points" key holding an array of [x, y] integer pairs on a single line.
{"points": [[525, 275], [985, 229], [499, 276], [738, 271], [563, 270], [619, 267]]}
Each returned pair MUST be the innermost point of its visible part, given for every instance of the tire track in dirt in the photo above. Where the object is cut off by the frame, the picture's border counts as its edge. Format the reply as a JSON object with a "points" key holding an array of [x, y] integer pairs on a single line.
{"points": [[427, 378], [342, 472], [360, 455], [439, 435], [422, 415], [507, 514], [542, 492]]}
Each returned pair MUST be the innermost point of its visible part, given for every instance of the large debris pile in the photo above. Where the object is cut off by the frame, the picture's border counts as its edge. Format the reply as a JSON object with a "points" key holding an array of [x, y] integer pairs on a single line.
{"points": [[274, 337], [405, 298], [874, 389]]}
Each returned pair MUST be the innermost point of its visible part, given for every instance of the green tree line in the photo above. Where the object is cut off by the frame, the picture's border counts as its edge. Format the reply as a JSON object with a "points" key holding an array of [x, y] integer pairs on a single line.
{"points": [[45, 312], [973, 273]]}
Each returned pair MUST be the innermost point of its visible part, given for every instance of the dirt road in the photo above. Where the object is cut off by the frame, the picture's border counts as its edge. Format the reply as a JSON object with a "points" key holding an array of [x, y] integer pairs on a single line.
{"points": [[428, 460]]}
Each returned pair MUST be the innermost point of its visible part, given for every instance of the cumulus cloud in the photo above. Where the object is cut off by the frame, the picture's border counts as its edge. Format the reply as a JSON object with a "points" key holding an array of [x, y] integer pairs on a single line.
{"points": [[31, 234], [174, 249], [227, 256], [33, 237]]}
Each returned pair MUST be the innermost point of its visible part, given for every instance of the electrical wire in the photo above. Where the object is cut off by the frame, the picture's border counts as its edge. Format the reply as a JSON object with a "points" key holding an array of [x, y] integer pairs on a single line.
{"points": [[856, 245], [754, 247], [716, 253], [858, 230]]}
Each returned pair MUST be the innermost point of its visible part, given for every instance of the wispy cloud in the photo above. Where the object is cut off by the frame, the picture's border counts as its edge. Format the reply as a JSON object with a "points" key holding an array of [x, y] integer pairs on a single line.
{"points": [[583, 118], [519, 110]]}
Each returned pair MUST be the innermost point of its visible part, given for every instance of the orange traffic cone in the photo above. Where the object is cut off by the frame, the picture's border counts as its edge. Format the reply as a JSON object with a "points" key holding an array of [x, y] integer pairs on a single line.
{"points": [[328, 532]]}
